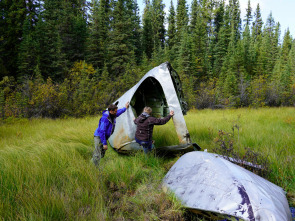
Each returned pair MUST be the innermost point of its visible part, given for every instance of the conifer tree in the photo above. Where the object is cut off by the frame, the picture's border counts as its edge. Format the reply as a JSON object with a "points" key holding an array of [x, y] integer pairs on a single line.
{"points": [[147, 35], [248, 52], [72, 30], [199, 32], [12, 17], [292, 62], [268, 50], [134, 30], [281, 73], [121, 50], [286, 47], [181, 17], [158, 17], [218, 18], [229, 72], [257, 23], [51, 59], [186, 66], [222, 41], [27, 52], [98, 27], [248, 16], [171, 27], [235, 21]]}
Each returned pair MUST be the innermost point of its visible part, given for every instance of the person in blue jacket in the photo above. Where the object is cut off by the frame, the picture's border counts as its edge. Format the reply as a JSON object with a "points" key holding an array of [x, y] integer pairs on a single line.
{"points": [[104, 130]]}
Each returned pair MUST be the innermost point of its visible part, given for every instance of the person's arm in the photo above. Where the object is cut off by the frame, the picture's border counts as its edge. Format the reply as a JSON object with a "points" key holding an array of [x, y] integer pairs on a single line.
{"points": [[135, 120], [122, 110], [159, 121], [102, 128]]}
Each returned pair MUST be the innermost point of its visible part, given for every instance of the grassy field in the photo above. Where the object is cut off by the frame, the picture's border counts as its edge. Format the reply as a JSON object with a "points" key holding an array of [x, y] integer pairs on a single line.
{"points": [[46, 173]]}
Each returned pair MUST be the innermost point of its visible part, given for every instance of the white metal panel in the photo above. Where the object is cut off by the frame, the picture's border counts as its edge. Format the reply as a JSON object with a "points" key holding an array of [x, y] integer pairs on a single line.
{"points": [[205, 181]]}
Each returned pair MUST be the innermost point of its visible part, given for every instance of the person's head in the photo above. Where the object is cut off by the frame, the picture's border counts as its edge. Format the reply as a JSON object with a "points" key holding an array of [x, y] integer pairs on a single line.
{"points": [[147, 110], [112, 108]]}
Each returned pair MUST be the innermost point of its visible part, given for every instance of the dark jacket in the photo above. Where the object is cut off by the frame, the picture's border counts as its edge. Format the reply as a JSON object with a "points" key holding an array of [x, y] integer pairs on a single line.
{"points": [[145, 125], [106, 125]]}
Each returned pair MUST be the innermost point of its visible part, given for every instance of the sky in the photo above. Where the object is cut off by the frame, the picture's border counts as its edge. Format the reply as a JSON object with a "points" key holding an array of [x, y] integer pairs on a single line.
{"points": [[283, 11]]}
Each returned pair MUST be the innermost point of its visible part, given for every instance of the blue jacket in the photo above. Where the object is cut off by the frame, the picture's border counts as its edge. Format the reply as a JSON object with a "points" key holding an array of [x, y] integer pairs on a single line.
{"points": [[105, 126]]}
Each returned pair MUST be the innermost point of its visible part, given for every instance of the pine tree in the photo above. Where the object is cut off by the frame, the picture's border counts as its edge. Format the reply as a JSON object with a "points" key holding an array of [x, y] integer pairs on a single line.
{"points": [[199, 30], [218, 18], [248, 16], [248, 52], [222, 41], [158, 17], [268, 50], [134, 30], [13, 14], [185, 54], [98, 33], [120, 48], [230, 69], [292, 62], [181, 17], [147, 36], [72, 30], [235, 21], [171, 27], [27, 52], [257, 23], [186, 66], [51, 59]]}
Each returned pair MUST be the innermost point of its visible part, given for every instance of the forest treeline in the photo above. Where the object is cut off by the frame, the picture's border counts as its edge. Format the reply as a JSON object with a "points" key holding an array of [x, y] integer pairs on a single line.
{"points": [[63, 58]]}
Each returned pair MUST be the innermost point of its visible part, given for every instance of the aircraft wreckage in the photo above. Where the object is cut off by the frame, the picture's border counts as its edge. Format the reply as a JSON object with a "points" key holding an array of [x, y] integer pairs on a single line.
{"points": [[205, 182], [212, 186], [161, 90]]}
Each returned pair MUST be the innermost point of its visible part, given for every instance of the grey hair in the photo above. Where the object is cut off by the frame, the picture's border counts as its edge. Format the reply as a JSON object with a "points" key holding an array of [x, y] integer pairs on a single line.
{"points": [[147, 110]]}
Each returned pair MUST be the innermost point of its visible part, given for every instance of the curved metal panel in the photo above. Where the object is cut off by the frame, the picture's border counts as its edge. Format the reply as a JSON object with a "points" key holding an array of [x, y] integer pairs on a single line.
{"points": [[205, 181], [123, 136]]}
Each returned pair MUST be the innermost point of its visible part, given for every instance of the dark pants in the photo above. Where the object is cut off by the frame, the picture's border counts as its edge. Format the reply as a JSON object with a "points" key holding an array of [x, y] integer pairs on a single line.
{"points": [[98, 152], [146, 145]]}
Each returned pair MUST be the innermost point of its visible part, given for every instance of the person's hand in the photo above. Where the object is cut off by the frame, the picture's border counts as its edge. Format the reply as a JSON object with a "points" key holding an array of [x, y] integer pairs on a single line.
{"points": [[127, 105], [171, 112], [105, 147]]}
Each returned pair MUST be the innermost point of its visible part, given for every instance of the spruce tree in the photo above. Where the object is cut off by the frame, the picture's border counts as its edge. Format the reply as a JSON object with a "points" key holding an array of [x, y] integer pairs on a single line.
{"points": [[27, 52], [13, 14], [72, 29], [134, 30], [222, 41], [248, 16], [51, 59], [268, 50], [147, 35], [199, 32], [158, 17], [235, 21], [98, 27], [257, 23], [181, 17], [248, 52], [120, 48], [171, 27]]}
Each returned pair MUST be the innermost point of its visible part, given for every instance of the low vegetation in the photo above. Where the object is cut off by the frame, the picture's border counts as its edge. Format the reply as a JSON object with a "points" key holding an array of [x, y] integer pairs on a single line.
{"points": [[46, 173]]}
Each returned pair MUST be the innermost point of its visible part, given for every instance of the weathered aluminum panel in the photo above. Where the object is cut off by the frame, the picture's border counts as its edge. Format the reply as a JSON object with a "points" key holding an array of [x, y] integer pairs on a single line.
{"points": [[123, 137], [205, 181]]}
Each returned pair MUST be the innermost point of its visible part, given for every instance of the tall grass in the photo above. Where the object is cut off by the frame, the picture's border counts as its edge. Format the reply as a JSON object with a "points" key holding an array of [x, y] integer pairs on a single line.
{"points": [[269, 131], [46, 173]]}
